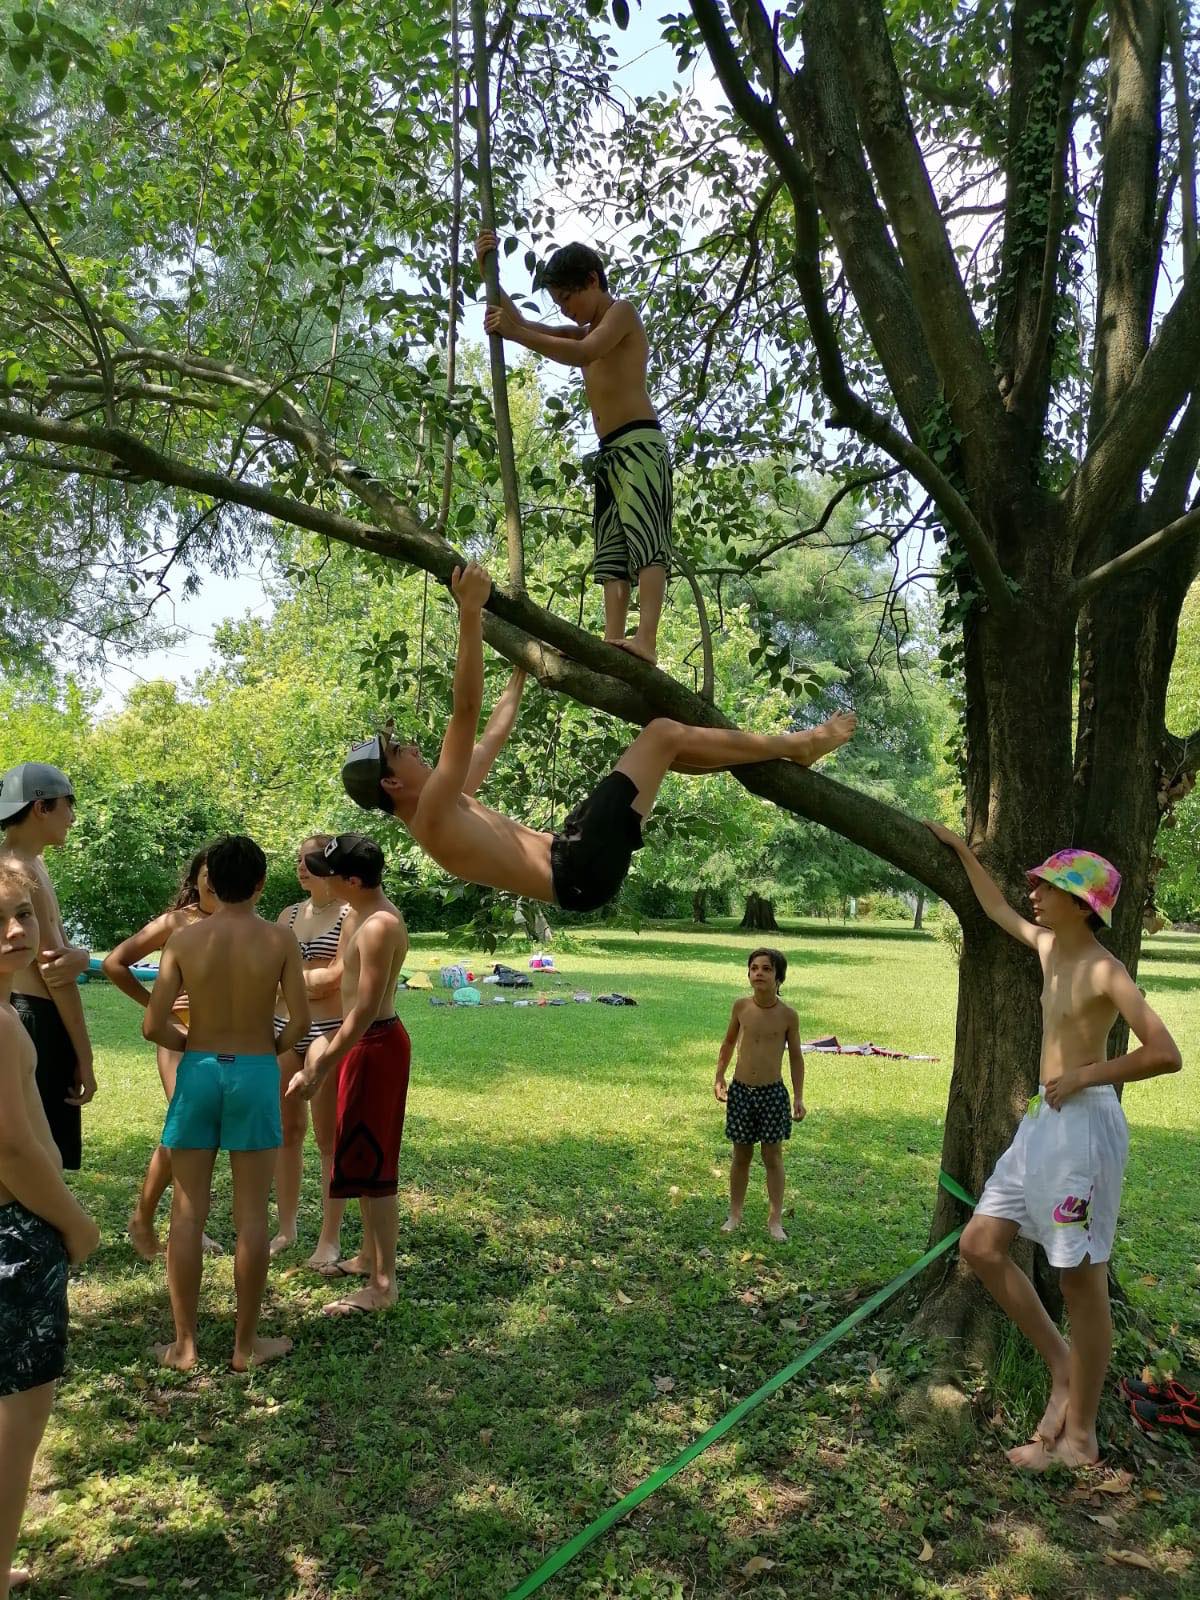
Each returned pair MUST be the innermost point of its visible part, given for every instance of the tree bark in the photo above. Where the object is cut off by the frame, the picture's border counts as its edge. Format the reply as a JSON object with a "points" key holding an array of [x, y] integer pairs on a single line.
{"points": [[919, 913], [759, 915], [699, 905]]}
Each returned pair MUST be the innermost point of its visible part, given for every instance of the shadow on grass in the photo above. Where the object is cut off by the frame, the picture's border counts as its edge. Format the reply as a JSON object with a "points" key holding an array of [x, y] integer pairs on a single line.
{"points": [[511, 1395]]}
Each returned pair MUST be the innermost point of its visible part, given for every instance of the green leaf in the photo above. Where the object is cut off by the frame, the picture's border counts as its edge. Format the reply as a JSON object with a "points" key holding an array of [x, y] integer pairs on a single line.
{"points": [[24, 21], [620, 11], [116, 102]]}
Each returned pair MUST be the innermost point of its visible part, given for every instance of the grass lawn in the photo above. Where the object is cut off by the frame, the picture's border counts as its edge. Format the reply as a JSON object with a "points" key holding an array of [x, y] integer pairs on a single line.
{"points": [[564, 1176]]}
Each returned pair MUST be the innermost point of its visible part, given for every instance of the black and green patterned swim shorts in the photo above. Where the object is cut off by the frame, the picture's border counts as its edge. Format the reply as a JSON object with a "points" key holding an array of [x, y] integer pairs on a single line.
{"points": [[33, 1300], [632, 517]]}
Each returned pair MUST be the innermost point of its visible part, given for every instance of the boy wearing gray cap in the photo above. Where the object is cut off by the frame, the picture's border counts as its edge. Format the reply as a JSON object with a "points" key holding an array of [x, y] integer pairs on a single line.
{"points": [[37, 811]]}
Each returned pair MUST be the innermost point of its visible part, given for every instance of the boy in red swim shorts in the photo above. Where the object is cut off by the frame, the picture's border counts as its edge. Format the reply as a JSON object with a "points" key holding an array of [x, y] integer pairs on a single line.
{"points": [[370, 1053]]}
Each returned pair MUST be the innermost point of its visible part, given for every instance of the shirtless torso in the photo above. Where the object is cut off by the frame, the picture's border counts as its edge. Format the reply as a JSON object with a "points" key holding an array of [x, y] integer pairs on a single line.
{"points": [[45, 903], [17, 1048], [1077, 1011], [383, 922], [616, 381], [474, 842], [231, 965], [762, 1039]]}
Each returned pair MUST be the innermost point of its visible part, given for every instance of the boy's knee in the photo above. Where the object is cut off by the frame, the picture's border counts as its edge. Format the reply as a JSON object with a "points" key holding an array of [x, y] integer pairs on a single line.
{"points": [[978, 1248], [665, 730], [771, 1154]]}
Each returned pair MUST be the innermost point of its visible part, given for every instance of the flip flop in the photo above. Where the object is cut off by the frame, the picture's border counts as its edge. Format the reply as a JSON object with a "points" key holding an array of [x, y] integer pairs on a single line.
{"points": [[346, 1308], [334, 1269], [1169, 1393], [1181, 1416]]}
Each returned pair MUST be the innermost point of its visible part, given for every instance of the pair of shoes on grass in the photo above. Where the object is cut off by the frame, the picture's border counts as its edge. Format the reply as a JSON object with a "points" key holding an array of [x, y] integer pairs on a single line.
{"points": [[1168, 1407]]}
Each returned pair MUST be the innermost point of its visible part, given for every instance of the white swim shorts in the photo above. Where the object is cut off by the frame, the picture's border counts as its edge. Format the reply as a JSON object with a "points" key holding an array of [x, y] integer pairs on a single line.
{"points": [[1060, 1178]]}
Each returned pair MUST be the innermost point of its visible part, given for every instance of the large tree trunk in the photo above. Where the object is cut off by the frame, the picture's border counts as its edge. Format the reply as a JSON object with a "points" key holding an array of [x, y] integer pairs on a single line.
{"points": [[919, 912], [759, 915], [699, 905]]}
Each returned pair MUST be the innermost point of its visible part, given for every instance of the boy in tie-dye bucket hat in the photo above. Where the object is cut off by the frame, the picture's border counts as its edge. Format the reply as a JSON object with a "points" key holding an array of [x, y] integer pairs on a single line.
{"points": [[1059, 1181]]}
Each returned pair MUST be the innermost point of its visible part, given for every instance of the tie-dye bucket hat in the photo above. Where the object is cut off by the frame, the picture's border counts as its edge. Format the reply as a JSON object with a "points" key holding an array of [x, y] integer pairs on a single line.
{"points": [[1084, 874]]}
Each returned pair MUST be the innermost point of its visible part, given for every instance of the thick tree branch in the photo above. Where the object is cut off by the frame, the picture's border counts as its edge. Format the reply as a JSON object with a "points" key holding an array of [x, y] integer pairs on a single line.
{"points": [[1167, 375], [1187, 134], [1187, 526], [948, 324], [849, 408], [1027, 396], [1126, 264], [561, 656]]}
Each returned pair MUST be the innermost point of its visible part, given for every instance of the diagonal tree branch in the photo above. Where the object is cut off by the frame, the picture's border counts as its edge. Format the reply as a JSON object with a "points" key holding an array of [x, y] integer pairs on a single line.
{"points": [[1137, 423], [562, 656], [849, 408], [1187, 526], [951, 333]]}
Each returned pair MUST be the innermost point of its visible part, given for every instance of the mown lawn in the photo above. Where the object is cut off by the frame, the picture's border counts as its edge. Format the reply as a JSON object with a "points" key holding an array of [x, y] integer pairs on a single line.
{"points": [[564, 1178]]}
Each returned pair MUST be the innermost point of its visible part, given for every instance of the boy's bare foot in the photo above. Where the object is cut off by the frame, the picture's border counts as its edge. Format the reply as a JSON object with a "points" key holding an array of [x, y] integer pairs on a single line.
{"points": [[178, 1355], [775, 1229], [143, 1238], [262, 1351], [281, 1242], [636, 647], [210, 1247], [1037, 1456], [324, 1260], [354, 1267], [731, 1224], [1055, 1415], [368, 1298], [18, 1577], [816, 742]]}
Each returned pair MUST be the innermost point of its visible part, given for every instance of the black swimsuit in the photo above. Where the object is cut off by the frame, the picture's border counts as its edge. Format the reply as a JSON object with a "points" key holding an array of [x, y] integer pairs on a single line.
{"points": [[591, 852]]}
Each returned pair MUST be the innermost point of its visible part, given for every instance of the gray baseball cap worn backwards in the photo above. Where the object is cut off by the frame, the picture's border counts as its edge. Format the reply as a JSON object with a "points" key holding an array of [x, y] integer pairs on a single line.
{"points": [[361, 773], [32, 780]]}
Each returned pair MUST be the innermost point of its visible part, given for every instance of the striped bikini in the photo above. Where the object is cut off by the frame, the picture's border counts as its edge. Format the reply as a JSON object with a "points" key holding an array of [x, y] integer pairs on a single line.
{"points": [[323, 947]]}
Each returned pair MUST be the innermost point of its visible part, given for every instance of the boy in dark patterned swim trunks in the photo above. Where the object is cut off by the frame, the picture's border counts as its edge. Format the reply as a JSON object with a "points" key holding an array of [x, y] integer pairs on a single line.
{"points": [[582, 866], [757, 1108], [43, 1230], [631, 520]]}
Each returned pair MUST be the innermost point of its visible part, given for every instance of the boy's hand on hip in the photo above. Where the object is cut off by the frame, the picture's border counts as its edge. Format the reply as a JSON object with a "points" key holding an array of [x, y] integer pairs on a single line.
{"points": [[471, 585], [1064, 1086], [719, 1089], [798, 1111]]}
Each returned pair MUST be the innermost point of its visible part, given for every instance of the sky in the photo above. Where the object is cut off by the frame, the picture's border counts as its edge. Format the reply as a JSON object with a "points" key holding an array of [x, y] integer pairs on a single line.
{"points": [[645, 65]]}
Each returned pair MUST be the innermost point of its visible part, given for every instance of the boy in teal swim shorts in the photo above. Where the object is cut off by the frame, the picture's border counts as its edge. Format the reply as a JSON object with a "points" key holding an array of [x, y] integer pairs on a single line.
{"points": [[1059, 1182], [227, 1088]]}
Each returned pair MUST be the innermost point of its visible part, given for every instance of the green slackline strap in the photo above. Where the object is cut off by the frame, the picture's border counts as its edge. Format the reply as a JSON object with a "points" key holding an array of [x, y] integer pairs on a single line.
{"points": [[567, 1552]]}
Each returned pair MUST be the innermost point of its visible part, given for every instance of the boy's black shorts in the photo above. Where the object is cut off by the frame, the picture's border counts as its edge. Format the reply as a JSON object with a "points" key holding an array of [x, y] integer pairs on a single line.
{"points": [[33, 1300], [590, 854], [758, 1113], [56, 1072]]}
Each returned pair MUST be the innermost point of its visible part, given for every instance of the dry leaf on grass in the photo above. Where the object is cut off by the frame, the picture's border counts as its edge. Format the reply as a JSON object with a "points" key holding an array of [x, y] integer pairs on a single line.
{"points": [[485, 1437], [926, 1551], [664, 1385], [623, 1299], [1156, 1496], [1130, 1558], [1104, 1521], [1118, 1483], [758, 1564]]}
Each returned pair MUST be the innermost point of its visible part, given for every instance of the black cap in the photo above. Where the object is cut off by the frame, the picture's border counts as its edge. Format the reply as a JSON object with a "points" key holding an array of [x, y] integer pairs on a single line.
{"points": [[350, 855]]}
